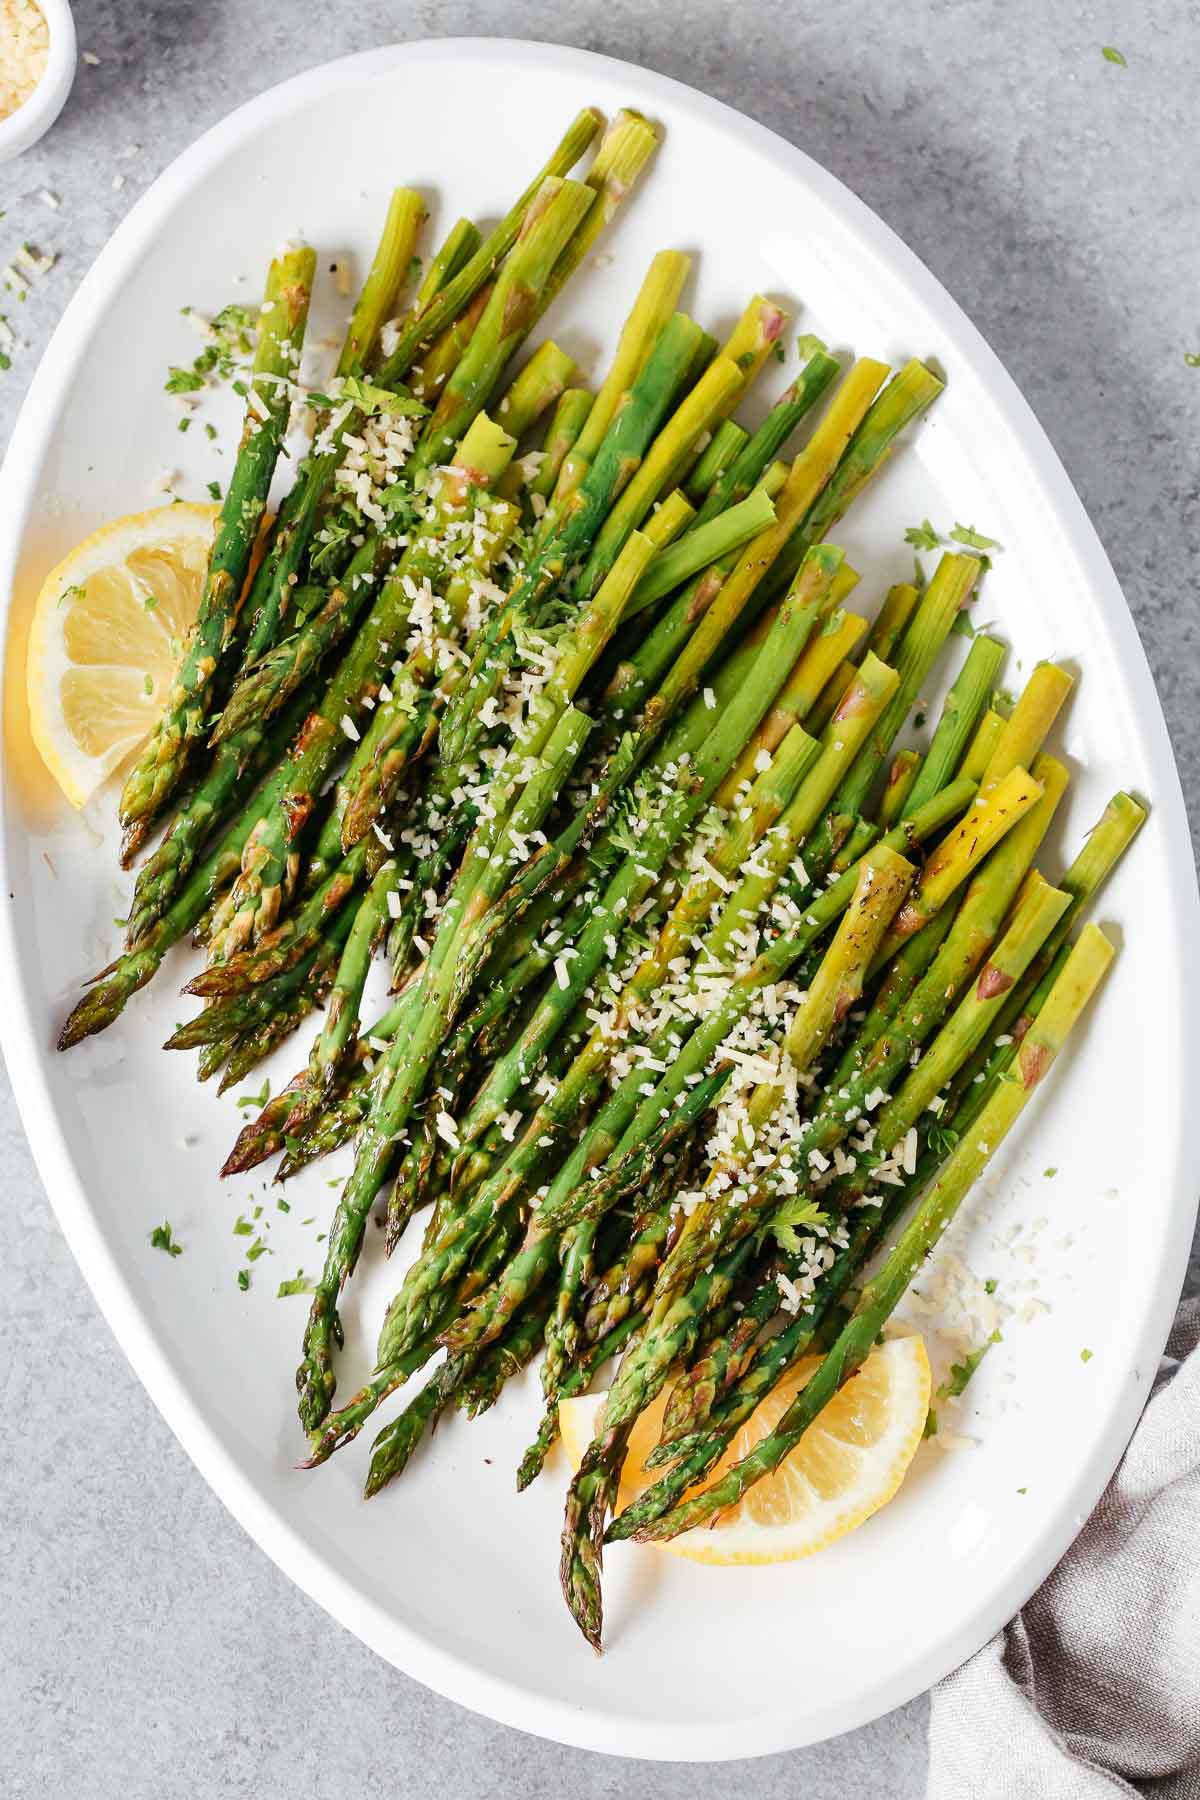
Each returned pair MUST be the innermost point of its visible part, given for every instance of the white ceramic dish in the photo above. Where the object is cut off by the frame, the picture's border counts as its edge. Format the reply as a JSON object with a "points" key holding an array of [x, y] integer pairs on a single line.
{"points": [[451, 1576], [33, 120]]}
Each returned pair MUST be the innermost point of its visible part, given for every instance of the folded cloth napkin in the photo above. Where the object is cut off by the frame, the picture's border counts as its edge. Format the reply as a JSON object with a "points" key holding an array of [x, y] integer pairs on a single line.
{"points": [[1093, 1690]]}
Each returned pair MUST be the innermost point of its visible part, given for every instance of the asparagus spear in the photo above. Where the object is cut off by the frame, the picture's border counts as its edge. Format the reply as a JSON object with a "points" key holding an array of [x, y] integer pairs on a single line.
{"points": [[252, 906], [648, 318], [555, 213], [901, 779], [570, 417], [703, 602], [964, 703], [978, 752], [272, 589], [880, 1055], [628, 885], [1081, 975], [714, 395], [443, 304], [410, 1058], [744, 471], [161, 765], [723, 447]]}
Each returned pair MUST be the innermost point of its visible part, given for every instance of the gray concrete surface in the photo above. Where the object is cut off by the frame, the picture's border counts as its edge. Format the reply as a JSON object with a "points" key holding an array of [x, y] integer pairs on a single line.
{"points": [[149, 1649]]}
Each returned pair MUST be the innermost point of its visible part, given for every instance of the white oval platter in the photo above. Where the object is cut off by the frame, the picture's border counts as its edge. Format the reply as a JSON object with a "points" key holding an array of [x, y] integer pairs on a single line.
{"points": [[451, 1576]]}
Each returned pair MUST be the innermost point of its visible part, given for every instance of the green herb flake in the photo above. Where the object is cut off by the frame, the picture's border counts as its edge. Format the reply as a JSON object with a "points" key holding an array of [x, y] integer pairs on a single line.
{"points": [[1085, 1356], [931, 1424], [974, 540], [244, 1280], [242, 1228], [161, 1239], [214, 489], [148, 685], [1111, 54], [257, 1100], [257, 1249], [961, 1373], [183, 381], [300, 1284], [372, 399], [210, 432], [796, 1215], [990, 1286], [941, 1139], [184, 424], [922, 536], [1050, 1173], [5, 361], [282, 1206], [1022, 1490]]}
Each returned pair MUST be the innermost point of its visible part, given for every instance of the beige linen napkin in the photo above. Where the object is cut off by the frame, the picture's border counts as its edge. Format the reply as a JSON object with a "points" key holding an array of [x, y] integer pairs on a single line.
{"points": [[1093, 1690]]}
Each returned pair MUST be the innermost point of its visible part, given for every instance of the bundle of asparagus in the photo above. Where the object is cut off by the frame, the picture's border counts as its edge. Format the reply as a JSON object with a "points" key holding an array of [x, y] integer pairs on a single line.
{"points": [[699, 985]]}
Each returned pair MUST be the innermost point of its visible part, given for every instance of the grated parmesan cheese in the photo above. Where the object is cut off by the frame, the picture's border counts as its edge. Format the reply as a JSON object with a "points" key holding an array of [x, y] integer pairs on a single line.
{"points": [[24, 48]]}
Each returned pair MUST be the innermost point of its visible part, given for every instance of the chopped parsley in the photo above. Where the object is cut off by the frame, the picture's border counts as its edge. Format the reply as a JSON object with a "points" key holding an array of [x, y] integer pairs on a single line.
{"points": [[990, 1286], [941, 1139], [214, 490], [242, 1228], [257, 1249], [162, 1239], [183, 381], [371, 399], [974, 540], [243, 1279], [1192, 358], [1086, 1355], [961, 1373], [299, 1284], [1050, 1173], [922, 536], [260, 1099], [791, 1218], [1111, 54]]}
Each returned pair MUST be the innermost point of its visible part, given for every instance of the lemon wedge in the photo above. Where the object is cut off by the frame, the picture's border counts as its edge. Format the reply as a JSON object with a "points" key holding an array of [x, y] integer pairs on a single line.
{"points": [[847, 1465], [106, 637]]}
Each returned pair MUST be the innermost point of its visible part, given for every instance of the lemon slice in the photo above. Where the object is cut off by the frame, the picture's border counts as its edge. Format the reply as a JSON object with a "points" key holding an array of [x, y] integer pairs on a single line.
{"points": [[846, 1466], [106, 637]]}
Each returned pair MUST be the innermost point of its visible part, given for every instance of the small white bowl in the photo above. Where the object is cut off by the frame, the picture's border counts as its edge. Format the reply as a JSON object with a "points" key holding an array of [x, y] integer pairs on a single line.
{"points": [[34, 119]]}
